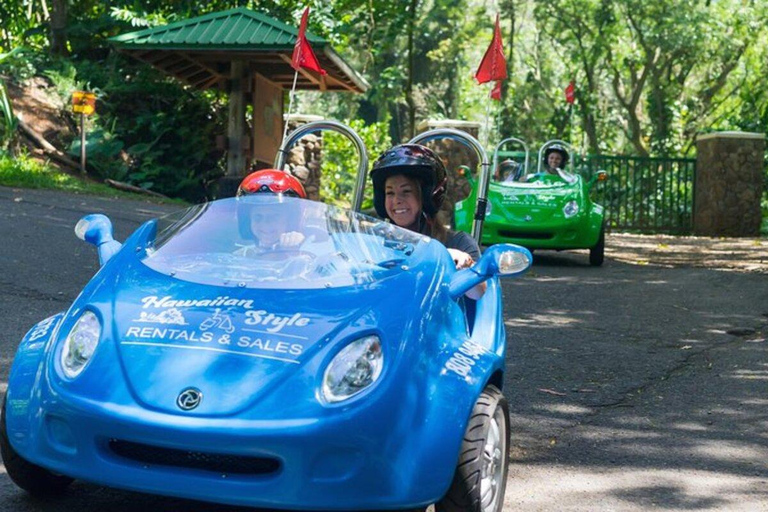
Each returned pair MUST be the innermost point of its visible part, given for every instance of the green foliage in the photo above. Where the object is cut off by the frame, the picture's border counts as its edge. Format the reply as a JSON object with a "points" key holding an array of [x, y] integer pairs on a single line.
{"points": [[102, 150], [340, 162], [149, 130], [9, 122], [25, 172], [63, 76], [649, 76]]}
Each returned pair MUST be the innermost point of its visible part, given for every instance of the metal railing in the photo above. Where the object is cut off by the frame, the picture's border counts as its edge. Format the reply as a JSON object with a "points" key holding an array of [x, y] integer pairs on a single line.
{"points": [[649, 195]]}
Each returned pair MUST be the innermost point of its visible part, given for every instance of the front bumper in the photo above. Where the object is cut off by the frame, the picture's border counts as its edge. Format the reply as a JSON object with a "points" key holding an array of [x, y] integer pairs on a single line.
{"points": [[297, 464], [581, 232]]}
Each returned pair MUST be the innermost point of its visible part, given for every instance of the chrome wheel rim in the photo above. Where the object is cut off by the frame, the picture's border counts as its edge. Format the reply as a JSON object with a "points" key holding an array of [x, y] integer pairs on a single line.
{"points": [[491, 483]]}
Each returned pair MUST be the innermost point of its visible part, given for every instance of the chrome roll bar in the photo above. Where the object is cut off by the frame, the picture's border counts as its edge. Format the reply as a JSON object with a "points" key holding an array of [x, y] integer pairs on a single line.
{"points": [[499, 146], [485, 171], [552, 143], [335, 126]]}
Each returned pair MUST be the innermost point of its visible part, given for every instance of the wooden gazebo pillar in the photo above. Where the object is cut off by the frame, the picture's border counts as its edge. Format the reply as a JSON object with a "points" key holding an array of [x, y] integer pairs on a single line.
{"points": [[236, 120]]}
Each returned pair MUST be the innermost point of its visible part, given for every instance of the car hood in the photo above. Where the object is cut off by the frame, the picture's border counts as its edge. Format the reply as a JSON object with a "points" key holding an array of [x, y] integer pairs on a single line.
{"points": [[236, 345], [534, 194], [520, 203]]}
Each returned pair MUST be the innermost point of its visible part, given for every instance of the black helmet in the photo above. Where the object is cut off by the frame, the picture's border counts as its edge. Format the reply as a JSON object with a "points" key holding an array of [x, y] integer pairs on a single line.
{"points": [[417, 162], [557, 148]]}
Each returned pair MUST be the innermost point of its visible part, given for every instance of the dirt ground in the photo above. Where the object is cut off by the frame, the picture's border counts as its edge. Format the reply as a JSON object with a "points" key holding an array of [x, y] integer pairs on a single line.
{"points": [[729, 254]]}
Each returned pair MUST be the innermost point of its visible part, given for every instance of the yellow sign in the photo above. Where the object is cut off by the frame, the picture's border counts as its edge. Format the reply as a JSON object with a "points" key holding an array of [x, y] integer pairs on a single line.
{"points": [[83, 102]]}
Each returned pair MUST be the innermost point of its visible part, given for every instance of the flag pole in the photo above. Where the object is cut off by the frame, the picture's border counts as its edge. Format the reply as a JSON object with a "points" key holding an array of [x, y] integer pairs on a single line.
{"points": [[488, 116], [290, 105]]}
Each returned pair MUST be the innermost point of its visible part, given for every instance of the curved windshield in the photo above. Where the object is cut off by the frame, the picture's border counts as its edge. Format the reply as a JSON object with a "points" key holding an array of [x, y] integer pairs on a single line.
{"points": [[262, 241], [509, 171]]}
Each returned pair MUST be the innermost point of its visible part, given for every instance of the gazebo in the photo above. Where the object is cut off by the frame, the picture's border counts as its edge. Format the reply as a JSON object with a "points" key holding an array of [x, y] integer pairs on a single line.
{"points": [[248, 55]]}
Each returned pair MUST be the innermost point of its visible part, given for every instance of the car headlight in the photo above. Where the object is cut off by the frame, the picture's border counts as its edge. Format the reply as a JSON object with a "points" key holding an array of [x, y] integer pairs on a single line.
{"points": [[353, 369], [80, 344], [570, 209]]}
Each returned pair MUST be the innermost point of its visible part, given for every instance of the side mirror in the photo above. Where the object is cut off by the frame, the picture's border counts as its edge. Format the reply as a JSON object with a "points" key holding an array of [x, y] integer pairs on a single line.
{"points": [[598, 176], [503, 260], [96, 229]]}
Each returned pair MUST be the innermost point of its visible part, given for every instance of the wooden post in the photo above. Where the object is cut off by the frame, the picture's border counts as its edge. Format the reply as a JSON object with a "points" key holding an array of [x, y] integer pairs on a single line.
{"points": [[82, 143], [236, 121]]}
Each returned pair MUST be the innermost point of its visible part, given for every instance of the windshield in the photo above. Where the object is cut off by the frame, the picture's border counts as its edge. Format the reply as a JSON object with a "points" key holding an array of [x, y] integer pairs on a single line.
{"points": [[509, 171], [261, 241]]}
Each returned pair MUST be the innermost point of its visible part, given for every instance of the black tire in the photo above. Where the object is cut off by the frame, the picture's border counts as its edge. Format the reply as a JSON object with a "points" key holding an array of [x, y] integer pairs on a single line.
{"points": [[488, 430], [597, 253], [35, 480]]}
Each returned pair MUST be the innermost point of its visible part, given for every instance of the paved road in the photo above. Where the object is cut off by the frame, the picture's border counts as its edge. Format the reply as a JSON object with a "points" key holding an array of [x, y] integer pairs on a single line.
{"points": [[627, 391]]}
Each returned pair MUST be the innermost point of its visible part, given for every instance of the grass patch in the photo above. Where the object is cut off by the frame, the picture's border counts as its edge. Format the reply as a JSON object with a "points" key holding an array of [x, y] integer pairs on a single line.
{"points": [[26, 172]]}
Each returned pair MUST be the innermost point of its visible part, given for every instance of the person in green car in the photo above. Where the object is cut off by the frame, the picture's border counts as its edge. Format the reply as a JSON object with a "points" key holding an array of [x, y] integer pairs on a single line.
{"points": [[409, 183], [555, 159], [509, 171]]}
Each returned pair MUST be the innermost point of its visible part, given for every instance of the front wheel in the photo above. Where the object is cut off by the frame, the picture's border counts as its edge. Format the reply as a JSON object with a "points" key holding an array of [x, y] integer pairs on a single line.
{"points": [[481, 474], [35, 480], [597, 253]]}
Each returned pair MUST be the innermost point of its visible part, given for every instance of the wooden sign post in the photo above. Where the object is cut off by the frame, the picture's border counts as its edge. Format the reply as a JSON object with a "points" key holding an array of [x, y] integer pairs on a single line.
{"points": [[83, 103]]}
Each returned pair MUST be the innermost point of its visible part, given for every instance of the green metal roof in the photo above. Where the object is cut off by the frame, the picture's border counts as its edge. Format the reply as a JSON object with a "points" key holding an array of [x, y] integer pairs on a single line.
{"points": [[199, 50], [235, 28]]}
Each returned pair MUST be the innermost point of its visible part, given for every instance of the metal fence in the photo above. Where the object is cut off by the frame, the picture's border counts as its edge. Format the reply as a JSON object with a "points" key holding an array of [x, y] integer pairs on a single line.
{"points": [[648, 195]]}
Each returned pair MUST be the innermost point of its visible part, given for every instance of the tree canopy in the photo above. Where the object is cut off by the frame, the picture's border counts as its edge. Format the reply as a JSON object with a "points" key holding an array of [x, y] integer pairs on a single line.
{"points": [[648, 76]]}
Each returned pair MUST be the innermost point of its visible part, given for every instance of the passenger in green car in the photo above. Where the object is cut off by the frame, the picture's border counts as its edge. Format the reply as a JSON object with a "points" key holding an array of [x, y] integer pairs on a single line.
{"points": [[555, 157]]}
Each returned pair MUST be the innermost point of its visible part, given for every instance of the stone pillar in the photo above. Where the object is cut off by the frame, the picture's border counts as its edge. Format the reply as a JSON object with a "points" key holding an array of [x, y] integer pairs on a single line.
{"points": [[730, 174], [305, 157], [454, 155]]}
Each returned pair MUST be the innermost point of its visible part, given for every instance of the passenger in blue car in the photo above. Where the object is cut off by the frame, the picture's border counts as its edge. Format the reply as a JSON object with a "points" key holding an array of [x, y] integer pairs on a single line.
{"points": [[408, 189], [263, 222]]}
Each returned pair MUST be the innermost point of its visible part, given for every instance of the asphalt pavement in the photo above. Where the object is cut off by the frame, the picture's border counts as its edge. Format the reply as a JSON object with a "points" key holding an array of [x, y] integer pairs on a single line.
{"points": [[631, 387]]}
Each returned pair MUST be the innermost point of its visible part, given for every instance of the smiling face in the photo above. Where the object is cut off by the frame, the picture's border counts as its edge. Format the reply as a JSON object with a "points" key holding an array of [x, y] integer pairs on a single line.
{"points": [[402, 200], [554, 160], [267, 224]]}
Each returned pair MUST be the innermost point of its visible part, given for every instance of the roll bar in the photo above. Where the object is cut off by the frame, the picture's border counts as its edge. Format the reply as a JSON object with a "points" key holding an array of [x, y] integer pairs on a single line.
{"points": [[552, 143], [499, 146], [335, 126], [485, 171]]}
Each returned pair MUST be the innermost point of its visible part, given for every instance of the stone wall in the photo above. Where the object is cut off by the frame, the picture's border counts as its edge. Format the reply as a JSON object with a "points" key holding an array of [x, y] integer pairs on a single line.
{"points": [[730, 170], [303, 161], [305, 158]]}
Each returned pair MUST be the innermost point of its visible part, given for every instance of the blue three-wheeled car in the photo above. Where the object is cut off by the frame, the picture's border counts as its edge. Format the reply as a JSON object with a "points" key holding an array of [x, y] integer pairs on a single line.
{"points": [[348, 373]]}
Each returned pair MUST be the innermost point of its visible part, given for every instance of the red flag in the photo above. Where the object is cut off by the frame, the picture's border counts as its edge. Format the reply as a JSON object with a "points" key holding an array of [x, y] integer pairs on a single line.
{"points": [[496, 91], [570, 93], [303, 56], [494, 65]]}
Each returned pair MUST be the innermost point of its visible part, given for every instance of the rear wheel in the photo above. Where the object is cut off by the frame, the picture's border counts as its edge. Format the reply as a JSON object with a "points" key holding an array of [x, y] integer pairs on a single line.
{"points": [[481, 474], [597, 253], [35, 480]]}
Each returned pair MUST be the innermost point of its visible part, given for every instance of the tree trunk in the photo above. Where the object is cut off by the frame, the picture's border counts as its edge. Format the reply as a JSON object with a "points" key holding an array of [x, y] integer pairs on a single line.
{"points": [[59, 27]]}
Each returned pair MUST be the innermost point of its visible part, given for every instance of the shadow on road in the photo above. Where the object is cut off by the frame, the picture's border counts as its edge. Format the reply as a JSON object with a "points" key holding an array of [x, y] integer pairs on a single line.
{"points": [[643, 386]]}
